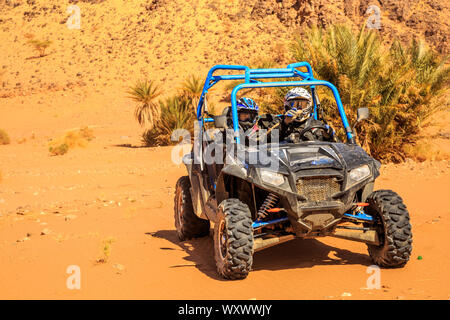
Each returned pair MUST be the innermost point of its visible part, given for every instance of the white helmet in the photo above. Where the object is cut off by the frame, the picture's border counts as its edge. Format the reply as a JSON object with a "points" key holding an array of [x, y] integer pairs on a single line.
{"points": [[293, 98]]}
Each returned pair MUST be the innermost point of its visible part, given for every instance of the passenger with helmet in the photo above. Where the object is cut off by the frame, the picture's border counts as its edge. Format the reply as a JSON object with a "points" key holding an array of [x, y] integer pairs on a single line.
{"points": [[247, 113]]}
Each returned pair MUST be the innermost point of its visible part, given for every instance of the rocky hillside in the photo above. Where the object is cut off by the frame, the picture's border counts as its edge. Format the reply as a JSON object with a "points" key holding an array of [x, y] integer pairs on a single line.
{"points": [[403, 19], [122, 40]]}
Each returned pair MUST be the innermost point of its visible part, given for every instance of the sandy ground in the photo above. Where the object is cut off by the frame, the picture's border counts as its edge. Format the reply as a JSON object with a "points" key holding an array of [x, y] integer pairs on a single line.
{"points": [[58, 211]]}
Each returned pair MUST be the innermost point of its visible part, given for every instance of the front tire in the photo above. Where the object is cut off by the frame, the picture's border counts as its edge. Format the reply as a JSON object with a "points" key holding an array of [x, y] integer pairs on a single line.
{"points": [[233, 240], [394, 229], [187, 223]]}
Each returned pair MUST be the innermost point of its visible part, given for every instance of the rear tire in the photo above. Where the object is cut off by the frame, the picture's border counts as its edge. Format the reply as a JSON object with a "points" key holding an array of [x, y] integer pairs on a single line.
{"points": [[394, 229], [187, 223], [233, 240]]}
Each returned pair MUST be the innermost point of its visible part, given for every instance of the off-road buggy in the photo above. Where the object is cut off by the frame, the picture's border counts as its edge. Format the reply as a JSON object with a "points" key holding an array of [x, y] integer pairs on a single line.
{"points": [[316, 188]]}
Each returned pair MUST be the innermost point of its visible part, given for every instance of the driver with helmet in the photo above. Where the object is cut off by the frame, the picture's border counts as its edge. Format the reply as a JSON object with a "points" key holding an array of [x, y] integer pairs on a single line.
{"points": [[297, 124]]}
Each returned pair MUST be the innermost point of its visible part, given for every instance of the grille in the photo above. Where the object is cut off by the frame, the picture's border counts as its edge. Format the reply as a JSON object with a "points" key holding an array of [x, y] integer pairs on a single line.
{"points": [[318, 188]]}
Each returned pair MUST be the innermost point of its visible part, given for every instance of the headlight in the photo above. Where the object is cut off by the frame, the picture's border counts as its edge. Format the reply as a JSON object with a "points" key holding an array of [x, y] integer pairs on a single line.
{"points": [[359, 174], [272, 178]]}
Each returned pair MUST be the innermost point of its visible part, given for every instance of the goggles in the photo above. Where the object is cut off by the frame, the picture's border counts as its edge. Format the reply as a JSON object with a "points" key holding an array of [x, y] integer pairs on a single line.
{"points": [[298, 104]]}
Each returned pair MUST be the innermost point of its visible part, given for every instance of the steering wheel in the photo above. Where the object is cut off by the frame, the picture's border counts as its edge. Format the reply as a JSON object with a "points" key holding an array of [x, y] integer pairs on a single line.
{"points": [[317, 126]]}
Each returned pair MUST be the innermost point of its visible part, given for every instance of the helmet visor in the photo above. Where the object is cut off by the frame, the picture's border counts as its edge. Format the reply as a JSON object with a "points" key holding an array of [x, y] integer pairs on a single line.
{"points": [[299, 104], [246, 115]]}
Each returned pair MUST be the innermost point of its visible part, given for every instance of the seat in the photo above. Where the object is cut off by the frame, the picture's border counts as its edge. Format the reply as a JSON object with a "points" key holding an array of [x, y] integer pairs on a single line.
{"points": [[223, 121]]}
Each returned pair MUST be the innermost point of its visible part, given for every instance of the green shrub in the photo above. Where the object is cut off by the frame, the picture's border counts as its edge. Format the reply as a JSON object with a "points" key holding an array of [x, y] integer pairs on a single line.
{"points": [[176, 113], [399, 84], [192, 89], [4, 138]]}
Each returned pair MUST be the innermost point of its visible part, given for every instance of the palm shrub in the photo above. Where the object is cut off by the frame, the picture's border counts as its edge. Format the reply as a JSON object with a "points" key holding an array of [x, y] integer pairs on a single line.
{"points": [[147, 112], [192, 89], [176, 113], [399, 84]]}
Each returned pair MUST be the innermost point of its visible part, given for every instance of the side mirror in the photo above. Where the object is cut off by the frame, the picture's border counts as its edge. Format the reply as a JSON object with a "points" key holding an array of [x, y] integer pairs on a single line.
{"points": [[220, 122], [362, 114]]}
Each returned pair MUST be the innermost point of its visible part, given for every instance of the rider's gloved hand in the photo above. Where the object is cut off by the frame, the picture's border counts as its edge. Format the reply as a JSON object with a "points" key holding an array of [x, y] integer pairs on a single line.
{"points": [[325, 135], [291, 112]]}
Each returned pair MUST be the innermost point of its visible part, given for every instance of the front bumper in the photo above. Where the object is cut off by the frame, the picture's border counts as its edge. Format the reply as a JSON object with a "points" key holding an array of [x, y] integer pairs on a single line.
{"points": [[315, 218]]}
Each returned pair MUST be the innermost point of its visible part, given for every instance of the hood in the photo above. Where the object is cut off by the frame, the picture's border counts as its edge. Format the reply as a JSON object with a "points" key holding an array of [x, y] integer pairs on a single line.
{"points": [[320, 155]]}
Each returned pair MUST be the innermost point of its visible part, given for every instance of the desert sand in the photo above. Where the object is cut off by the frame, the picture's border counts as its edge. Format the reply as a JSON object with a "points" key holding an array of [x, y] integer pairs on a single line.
{"points": [[58, 211]]}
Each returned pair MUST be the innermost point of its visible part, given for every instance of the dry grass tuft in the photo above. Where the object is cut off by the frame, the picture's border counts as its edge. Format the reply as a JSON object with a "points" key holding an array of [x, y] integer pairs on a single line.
{"points": [[4, 138], [424, 150], [72, 139], [40, 45], [106, 250]]}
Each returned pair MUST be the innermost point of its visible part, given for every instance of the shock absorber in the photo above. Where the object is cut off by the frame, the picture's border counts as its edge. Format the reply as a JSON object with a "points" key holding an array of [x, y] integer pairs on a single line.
{"points": [[268, 204]]}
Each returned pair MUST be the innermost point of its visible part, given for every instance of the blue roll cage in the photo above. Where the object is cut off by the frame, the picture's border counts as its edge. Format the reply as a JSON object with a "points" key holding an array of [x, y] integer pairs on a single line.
{"points": [[251, 77]]}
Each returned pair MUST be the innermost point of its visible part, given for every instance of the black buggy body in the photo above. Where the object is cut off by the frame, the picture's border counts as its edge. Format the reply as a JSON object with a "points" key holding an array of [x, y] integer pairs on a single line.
{"points": [[262, 194]]}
